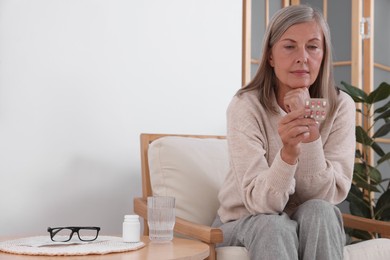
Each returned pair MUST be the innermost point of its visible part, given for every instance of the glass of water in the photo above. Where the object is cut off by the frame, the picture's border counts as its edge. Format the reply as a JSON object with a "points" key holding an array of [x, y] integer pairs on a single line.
{"points": [[161, 218]]}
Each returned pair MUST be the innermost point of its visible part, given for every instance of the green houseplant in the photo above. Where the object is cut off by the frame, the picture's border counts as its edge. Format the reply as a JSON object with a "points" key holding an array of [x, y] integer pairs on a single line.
{"points": [[369, 195]]}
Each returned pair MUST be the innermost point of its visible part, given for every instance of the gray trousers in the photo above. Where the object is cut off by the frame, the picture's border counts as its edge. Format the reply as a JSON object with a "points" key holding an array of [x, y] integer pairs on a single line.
{"points": [[314, 232]]}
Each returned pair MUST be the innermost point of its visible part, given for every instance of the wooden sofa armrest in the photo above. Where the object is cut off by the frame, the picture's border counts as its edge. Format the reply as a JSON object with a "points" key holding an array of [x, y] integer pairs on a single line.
{"points": [[370, 225], [203, 233]]}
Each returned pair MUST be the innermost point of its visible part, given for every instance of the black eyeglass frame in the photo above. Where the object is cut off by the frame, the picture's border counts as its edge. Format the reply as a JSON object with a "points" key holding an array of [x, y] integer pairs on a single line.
{"points": [[55, 230]]}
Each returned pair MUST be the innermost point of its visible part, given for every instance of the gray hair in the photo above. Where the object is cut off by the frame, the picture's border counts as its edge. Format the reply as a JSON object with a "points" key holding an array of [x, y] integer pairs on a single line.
{"points": [[265, 80]]}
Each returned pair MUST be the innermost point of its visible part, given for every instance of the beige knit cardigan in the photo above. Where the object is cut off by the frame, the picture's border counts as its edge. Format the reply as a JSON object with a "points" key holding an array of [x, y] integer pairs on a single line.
{"points": [[259, 181]]}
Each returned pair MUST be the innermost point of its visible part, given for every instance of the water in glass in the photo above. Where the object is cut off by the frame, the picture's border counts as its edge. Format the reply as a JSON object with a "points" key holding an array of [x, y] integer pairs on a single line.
{"points": [[161, 218]]}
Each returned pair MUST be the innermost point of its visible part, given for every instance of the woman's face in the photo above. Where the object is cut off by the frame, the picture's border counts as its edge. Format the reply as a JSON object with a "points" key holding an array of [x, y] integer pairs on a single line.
{"points": [[296, 57]]}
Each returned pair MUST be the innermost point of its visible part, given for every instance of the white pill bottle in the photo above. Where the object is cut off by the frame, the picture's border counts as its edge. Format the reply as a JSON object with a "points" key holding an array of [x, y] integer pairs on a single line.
{"points": [[131, 229]]}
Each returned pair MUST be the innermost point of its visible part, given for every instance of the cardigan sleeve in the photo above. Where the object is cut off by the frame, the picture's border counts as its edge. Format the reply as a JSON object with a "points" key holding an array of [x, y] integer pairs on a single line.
{"points": [[264, 187], [325, 166]]}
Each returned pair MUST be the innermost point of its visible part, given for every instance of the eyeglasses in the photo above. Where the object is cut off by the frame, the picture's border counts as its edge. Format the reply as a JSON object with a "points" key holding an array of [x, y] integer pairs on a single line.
{"points": [[64, 234]]}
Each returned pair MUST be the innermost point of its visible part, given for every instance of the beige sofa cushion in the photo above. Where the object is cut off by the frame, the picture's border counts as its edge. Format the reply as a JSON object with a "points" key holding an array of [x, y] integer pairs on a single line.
{"points": [[375, 249], [191, 170]]}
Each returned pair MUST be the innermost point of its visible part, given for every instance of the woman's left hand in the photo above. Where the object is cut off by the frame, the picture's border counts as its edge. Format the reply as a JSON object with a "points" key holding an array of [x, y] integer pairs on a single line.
{"points": [[295, 99]]}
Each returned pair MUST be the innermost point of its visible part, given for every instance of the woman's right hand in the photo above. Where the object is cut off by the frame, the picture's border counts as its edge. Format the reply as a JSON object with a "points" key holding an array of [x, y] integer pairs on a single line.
{"points": [[294, 129]]}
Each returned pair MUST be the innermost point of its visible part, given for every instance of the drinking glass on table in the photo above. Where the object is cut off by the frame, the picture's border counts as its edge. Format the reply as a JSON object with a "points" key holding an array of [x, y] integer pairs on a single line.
{"points": [[161, 218]]}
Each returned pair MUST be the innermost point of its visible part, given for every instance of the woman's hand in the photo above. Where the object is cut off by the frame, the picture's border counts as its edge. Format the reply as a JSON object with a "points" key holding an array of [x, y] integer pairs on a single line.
{"points": [[295, 99], [293, 130]]}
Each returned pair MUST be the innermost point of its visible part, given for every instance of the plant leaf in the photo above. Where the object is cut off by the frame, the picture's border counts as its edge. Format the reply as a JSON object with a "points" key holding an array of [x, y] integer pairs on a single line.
{"points": [[357, 205], [375, 146], [354, 193], [358, 208], [384, 158], [360, 234], [380, 93], [358, 95], [359, 182], [382, 131], [358, 153], [382, 208], [360, 177], [375, 175], [362, 137], [382, 108], [385, 115], [383, 213]]}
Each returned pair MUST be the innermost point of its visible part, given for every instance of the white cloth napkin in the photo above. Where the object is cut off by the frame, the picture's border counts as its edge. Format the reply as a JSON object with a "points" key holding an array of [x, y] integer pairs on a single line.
{"points": [[42, 245]]}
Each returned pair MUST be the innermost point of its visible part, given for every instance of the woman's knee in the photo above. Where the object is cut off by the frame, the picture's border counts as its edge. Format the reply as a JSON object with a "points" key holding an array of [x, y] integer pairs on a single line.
{"points": [[276, 234], [317, 209], [277, 225]]}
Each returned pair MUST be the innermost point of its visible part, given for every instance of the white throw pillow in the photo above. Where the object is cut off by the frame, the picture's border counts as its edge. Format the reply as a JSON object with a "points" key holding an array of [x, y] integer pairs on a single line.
{"points": [[191, 170]]}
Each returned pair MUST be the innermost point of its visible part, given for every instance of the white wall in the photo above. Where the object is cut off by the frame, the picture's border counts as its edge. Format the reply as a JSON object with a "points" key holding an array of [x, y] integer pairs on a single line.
{"points": [[81, 79]]}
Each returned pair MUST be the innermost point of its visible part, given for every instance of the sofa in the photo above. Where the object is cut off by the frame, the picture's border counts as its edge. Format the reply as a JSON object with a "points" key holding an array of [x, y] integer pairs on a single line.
{"points": [[191, 168]]}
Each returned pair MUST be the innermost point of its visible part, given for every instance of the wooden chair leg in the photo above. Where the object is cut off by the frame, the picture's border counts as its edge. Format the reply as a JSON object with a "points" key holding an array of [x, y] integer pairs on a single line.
{"points": [[213, 253]]}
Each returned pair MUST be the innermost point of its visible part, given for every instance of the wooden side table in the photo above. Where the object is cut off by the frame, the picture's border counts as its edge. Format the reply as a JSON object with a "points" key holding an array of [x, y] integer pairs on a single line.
{"points": [[178, 248]]}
